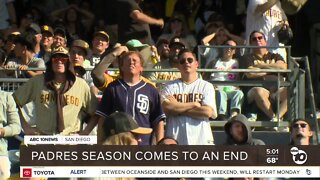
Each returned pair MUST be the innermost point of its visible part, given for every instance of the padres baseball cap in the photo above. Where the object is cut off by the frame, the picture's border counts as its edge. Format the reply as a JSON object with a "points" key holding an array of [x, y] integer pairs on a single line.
{"points": [[177, 41], [135, 44], [60, 50], [119, 122], [103, 34], [81, 44], [48, 29]]}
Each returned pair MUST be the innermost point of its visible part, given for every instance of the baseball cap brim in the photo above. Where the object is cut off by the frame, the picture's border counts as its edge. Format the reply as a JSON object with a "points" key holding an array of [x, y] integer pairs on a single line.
{"points": [[60, 31], [134, 44], [142, 130], [80, 69], [102, 33], [176, 44], [60, 50]]}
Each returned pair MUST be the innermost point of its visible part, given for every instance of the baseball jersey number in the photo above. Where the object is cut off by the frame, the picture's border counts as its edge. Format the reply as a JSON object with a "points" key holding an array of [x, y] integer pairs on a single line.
{"points": [[143, 103]]}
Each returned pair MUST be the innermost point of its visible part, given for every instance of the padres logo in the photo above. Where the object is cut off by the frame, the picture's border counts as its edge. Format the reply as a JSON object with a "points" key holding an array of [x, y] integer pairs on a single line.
{"points": [[143, 103]]}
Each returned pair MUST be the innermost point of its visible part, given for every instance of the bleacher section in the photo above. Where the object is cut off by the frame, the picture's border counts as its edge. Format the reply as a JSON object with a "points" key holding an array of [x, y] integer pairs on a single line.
{"points": [[297, 84]]}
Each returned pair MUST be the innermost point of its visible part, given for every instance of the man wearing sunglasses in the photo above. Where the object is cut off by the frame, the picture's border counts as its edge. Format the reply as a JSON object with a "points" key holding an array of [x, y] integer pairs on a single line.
{"points": [[189, 102], [59, 97], [267, 16], [301, 132], [261, 58]]}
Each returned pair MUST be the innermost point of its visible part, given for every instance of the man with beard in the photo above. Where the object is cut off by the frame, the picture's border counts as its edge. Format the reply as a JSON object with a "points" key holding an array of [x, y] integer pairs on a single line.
{"points": [[301, 132], [165, 63]]}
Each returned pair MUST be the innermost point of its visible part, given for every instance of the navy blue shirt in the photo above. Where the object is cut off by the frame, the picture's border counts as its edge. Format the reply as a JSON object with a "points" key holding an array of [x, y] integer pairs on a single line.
{"points": [[141, 101]]}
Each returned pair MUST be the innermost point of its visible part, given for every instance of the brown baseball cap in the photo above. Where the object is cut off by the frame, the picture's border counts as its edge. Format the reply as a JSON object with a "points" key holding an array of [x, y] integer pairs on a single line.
{"points": [[81, 44], [60, 50], [103, 34], [119, 122], [46, 28]]}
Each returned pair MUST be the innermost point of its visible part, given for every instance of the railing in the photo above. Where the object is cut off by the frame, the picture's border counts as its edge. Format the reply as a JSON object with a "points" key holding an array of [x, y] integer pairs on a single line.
{"points": [[11, 84]]}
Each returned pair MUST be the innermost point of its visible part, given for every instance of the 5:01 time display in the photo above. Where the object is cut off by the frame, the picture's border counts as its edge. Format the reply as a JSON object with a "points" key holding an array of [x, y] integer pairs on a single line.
{"points": [[272, 151]]}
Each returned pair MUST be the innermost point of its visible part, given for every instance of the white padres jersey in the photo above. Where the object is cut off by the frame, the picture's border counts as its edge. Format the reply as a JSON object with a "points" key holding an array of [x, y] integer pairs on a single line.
{"points": [[187, 130], [266, 22]]}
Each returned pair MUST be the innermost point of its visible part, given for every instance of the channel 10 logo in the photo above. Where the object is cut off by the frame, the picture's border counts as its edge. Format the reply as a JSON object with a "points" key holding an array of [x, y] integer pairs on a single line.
{"points": [[298, 156]]}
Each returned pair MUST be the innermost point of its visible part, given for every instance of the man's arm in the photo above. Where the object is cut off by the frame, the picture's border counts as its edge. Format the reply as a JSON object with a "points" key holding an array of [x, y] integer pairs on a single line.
{"points": [[13, 126], [100, 134], [254, 75], [201, 112], [159, 130], [208, 38], [27, 129], [277, 65], [91, 124], [261, 8], [143, 18], [172, 107], [97, 73]]}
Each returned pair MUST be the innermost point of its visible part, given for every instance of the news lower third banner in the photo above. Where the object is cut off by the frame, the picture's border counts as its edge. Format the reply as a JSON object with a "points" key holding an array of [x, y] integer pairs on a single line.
{"points": [[169, 161]]}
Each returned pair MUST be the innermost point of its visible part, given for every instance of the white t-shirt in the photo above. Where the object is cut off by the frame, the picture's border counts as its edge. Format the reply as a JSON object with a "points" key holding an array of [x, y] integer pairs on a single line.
{"points": [[268, 22], [225, 76], [185, 129]]}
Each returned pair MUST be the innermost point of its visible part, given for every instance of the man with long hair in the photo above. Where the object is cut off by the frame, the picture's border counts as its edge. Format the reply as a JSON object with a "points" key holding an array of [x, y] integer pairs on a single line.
{"points": [[59, 97]]}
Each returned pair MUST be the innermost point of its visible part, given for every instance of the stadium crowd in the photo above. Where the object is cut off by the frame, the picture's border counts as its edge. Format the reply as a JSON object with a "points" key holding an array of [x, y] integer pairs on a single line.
{"points": [[87, 75]]}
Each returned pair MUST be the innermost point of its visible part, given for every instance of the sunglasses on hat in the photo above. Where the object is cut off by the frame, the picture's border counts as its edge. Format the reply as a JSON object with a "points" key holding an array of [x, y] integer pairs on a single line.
{"points": [[184, 60]]}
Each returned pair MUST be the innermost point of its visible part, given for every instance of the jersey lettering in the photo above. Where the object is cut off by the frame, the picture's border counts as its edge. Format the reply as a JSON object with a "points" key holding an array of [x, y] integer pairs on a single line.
{"points": [[143, 103], [49, 97], [190, 97]]}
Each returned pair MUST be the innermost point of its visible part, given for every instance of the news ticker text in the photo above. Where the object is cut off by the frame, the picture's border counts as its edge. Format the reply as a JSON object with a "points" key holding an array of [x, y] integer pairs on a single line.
{"points": [[99, 155], [177, 172]]}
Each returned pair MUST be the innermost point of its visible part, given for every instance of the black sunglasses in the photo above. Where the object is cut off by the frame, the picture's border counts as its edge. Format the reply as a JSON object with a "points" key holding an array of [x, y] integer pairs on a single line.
{"points": [[230, 46], [257, 38], [183, 60], [297, 125]]}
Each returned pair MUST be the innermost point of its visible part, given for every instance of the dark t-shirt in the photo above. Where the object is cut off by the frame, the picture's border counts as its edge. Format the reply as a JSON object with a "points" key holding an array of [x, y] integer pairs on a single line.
{"points": [[248, 60], [128, 28], [141, 101]]}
